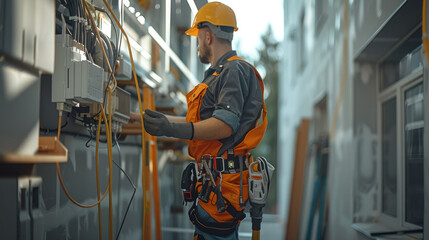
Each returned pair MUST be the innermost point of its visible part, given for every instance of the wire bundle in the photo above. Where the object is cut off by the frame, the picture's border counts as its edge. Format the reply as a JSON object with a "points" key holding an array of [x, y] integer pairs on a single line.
{"points": [[77, 16]]}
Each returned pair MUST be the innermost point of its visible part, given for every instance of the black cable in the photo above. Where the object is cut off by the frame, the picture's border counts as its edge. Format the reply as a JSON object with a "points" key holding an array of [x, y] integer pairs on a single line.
{"points": [[83, 25], [47, 130], [73, 13], [76, 134], [115, 56], [78, 21], [118, 35], [119, 152], [109, 51], [90, 138], [132, 184]]}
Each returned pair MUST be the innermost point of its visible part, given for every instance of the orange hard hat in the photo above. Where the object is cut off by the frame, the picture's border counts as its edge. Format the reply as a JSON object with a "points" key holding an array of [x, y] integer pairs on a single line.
{"points": [[215, 13]]}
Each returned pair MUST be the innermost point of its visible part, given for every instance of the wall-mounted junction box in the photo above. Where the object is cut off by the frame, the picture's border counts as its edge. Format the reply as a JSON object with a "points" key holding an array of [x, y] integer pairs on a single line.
{"points": [[75, 78], [120, 104]]}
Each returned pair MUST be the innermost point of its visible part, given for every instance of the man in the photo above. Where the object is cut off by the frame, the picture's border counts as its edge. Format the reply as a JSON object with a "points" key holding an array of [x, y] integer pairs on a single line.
{"points": [[221, 123]]}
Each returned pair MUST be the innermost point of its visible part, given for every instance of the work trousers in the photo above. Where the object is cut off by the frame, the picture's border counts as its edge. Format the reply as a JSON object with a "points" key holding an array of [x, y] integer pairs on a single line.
{"points": [[204, 216]]}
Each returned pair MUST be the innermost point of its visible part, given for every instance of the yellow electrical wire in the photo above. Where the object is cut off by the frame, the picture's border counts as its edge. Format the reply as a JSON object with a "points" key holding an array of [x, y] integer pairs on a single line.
{"points": [[101, 44], [146, 166], [109, 153], [60, 114], [92, 8], [131, 57], [100, 232], [138, 96], [109, 149], [108, 129], [62, 182]]}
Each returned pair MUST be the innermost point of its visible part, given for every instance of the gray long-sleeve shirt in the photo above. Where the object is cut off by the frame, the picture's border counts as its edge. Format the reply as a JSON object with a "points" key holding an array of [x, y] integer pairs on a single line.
{"points": [[234, 97]]}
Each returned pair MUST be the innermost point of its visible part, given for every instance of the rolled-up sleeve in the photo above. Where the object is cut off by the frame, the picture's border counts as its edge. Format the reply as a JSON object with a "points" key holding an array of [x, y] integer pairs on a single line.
{"points": [[232, 92], [227, 117]]}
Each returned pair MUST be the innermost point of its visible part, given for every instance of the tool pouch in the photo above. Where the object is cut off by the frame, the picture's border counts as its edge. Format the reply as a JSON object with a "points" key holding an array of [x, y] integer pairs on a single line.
{"points": [[188, 183]]}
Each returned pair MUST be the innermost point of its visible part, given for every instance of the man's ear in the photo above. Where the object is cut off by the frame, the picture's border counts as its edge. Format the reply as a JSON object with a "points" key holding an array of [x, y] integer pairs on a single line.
{"points": [[209, 37]]}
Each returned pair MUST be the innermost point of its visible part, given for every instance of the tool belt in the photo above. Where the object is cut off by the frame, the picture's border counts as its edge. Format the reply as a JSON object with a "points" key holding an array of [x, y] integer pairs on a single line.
{"points": [[210, 172], [231, 164]]}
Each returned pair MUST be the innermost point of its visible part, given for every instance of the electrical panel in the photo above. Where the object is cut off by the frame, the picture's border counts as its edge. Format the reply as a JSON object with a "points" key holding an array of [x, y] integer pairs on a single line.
{"points": [[88, 82], [16, 221], [120, 104], [75, 78]]}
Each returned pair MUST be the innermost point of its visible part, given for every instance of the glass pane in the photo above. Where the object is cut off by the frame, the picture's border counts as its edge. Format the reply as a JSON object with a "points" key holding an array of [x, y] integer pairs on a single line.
{"points": [[390, 74], [403, 61], [389, 168], [414, 155]]}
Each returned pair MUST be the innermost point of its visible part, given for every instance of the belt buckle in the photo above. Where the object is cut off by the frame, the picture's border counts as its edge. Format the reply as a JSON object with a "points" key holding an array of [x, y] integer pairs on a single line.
{"points": [[231, 164], [207, 158], [223, 163]]}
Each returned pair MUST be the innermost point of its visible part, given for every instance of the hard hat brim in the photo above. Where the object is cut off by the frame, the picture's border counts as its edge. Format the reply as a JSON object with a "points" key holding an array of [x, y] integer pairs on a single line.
{"points": [[193, 31]]}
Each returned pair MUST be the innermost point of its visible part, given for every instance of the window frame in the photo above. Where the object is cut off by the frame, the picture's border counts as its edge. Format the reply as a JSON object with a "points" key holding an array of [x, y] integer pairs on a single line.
{"points": [[414, 82], [397, 90]]}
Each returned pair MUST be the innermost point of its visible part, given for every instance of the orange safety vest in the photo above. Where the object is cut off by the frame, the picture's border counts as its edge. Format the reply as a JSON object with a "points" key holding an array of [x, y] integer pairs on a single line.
{"points": [[197, 148]]}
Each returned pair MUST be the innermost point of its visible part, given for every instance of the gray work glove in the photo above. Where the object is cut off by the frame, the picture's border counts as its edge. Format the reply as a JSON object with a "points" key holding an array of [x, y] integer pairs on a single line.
{"points": [[157, 124]]}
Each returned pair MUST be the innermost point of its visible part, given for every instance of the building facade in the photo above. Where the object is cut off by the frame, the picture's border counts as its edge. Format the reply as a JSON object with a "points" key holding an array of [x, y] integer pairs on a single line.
{"points": [[358, 71]]}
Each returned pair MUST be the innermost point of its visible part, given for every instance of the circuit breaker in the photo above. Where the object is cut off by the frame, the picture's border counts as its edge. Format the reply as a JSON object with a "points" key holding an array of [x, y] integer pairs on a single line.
{"points": [[120, 105], [75, 78]]}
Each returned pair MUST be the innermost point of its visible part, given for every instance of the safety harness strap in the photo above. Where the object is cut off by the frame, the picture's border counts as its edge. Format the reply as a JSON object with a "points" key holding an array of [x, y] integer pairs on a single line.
{"points": [[230, 165], [239, 215], [221, 229]]}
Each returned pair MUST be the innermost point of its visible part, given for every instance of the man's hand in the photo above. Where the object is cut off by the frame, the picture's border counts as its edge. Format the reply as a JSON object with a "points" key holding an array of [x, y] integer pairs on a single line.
{"points": [[157, 124]]}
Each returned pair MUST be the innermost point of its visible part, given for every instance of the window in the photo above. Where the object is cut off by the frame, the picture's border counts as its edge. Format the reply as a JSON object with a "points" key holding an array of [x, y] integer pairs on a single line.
{"points": [[401, 62], [402, 126], [389, 134], [414, 155]]}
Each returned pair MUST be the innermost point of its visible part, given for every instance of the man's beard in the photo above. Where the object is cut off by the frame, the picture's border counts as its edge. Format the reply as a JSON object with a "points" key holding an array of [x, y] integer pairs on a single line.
{"points": [[204, 54]]}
